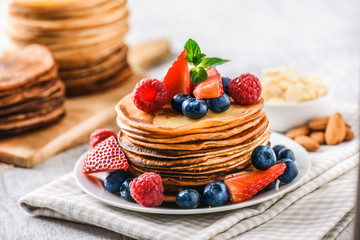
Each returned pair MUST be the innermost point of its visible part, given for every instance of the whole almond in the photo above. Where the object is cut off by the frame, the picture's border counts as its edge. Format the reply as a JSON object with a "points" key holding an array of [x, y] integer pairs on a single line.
{"points": [[318, 136], [349, 135], [318, 123], [335, 129], [308, 143], [298, 131]]}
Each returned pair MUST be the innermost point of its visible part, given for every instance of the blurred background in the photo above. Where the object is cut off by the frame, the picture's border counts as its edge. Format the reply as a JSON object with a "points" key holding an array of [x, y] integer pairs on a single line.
{"points": [[316, 37]]}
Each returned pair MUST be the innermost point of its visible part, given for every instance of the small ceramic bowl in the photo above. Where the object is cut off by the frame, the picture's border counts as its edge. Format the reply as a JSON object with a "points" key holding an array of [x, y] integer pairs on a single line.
{"points": [[284, 116]]}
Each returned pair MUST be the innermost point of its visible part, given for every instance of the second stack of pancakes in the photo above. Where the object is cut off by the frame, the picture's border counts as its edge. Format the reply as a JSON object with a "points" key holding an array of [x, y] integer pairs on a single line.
{"points": [[190, 153], [85, 36], [31, 93]]}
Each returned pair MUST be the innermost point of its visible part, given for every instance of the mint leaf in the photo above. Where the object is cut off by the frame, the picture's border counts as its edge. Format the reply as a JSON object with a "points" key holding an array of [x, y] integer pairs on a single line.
{"points": [[198, 75], [212, 62], [192, 49]]}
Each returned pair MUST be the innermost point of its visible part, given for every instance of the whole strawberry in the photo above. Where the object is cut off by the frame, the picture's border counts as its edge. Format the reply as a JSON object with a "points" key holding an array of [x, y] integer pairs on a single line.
{"points": [[100, 135], [245, 90], [106, 156], [147, 190]]}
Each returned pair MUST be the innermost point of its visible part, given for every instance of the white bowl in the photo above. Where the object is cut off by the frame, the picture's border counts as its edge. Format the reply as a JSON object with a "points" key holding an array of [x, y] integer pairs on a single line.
{"points": [[284, 116]]}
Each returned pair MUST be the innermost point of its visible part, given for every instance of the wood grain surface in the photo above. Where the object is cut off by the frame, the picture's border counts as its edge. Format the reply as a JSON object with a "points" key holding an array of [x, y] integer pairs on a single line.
{"points": [[83, 114]]}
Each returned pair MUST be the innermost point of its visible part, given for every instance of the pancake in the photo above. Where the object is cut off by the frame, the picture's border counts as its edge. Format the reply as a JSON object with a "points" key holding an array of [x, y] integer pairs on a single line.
{"points": [[55, 6], [105, 74], [101, 19], [199, 156], [100, 86], [199, 136], [117, 57], [167, 122], [24, 66], [200, 145], [40, 91]]}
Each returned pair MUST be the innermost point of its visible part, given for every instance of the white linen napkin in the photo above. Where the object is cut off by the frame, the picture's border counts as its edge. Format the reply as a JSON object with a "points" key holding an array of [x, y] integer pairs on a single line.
{"points": [[319, 208]]}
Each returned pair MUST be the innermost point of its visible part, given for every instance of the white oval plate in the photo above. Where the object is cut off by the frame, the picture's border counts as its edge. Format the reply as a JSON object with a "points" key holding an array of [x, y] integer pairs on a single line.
{"points": [[93, 185]]}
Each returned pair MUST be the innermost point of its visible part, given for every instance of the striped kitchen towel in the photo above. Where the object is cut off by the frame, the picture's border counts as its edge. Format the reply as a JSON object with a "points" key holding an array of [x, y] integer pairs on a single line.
{"points": [[318, 209]]}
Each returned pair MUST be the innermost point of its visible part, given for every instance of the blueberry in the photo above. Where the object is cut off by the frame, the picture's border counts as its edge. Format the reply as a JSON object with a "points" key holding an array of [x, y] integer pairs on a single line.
{"points": [[286, 153], [125, 190], [290, 172], [278, 148], [269, 187], [177, 101], [225, 83], [194, 108], [263, 157], [114, 180], [215, 194], [220, 104], [188, 198]]}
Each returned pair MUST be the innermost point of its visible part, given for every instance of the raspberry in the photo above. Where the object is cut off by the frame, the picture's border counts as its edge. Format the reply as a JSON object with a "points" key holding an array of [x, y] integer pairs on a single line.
{"points": [[106, 156], [150, 95], [100, 135], [147, 189], [245, 90]]}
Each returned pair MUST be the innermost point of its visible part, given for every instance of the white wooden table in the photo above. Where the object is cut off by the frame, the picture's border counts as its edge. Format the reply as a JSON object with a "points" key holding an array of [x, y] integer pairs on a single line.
{"points": [[320, 37]]}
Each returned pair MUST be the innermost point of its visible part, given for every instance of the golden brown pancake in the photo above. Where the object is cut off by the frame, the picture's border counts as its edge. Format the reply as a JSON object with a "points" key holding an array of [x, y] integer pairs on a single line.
{"points": [[24, 66]]}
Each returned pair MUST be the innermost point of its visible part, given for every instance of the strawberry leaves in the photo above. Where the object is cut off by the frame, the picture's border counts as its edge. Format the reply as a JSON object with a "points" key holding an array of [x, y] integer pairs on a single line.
{"points": [[200, 62]]}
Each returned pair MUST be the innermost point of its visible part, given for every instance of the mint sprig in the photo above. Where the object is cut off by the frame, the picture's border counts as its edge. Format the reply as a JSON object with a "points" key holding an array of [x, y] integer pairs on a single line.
{"points": [[200, 62]]}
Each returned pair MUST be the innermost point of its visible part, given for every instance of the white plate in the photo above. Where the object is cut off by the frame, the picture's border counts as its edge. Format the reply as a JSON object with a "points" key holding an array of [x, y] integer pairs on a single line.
{"points": [[94, 185]]}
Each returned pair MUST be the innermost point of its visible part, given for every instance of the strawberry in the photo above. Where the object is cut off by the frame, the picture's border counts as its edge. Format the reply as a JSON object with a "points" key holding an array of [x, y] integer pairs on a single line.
{"points": [[212, 87], [246, 184], [106, 156], [177, 79]]}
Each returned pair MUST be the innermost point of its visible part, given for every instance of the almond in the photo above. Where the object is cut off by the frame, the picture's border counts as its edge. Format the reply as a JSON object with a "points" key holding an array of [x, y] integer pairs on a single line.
{"points": [[335, 129], [318, 123], [298, 131], [308, 143], [349, 134], [318, 136]]}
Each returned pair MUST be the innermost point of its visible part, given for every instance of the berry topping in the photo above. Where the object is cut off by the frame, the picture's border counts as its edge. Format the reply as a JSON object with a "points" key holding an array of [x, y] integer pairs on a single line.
{"points": [[269, 187], [245, 90], [277, 149], [188, 198], [263, 157], [212, 87], [220, 104], [114, 180], [106, 156], [244, 185], [150, 95], [194, 108], [147, 189], [125, 190], [215, 194], [291, 171], [177, 100], [225, 82], [286, 153], [100, 135], [177, 79]]}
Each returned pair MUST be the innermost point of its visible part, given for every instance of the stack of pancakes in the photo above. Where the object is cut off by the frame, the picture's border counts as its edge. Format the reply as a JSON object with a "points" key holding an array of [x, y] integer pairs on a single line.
{"points": [[190, 153], [31, 93], [85, 36]]}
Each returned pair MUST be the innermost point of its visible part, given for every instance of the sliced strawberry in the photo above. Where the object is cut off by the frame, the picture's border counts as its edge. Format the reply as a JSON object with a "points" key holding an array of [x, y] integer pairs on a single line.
{"points": [[106, 156], [212, 87], [246, 184], [177, 79]]}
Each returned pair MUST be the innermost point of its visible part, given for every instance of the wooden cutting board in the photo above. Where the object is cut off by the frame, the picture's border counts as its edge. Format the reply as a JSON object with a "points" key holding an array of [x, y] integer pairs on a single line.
{"points": [[83, 114]]}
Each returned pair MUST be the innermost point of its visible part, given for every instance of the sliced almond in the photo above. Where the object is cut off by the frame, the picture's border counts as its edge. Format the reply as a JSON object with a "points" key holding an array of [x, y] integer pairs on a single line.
{"points": [[298, 131], [308, 143], [349, 135], [335, 129], [318, 136], [318, 123]]}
